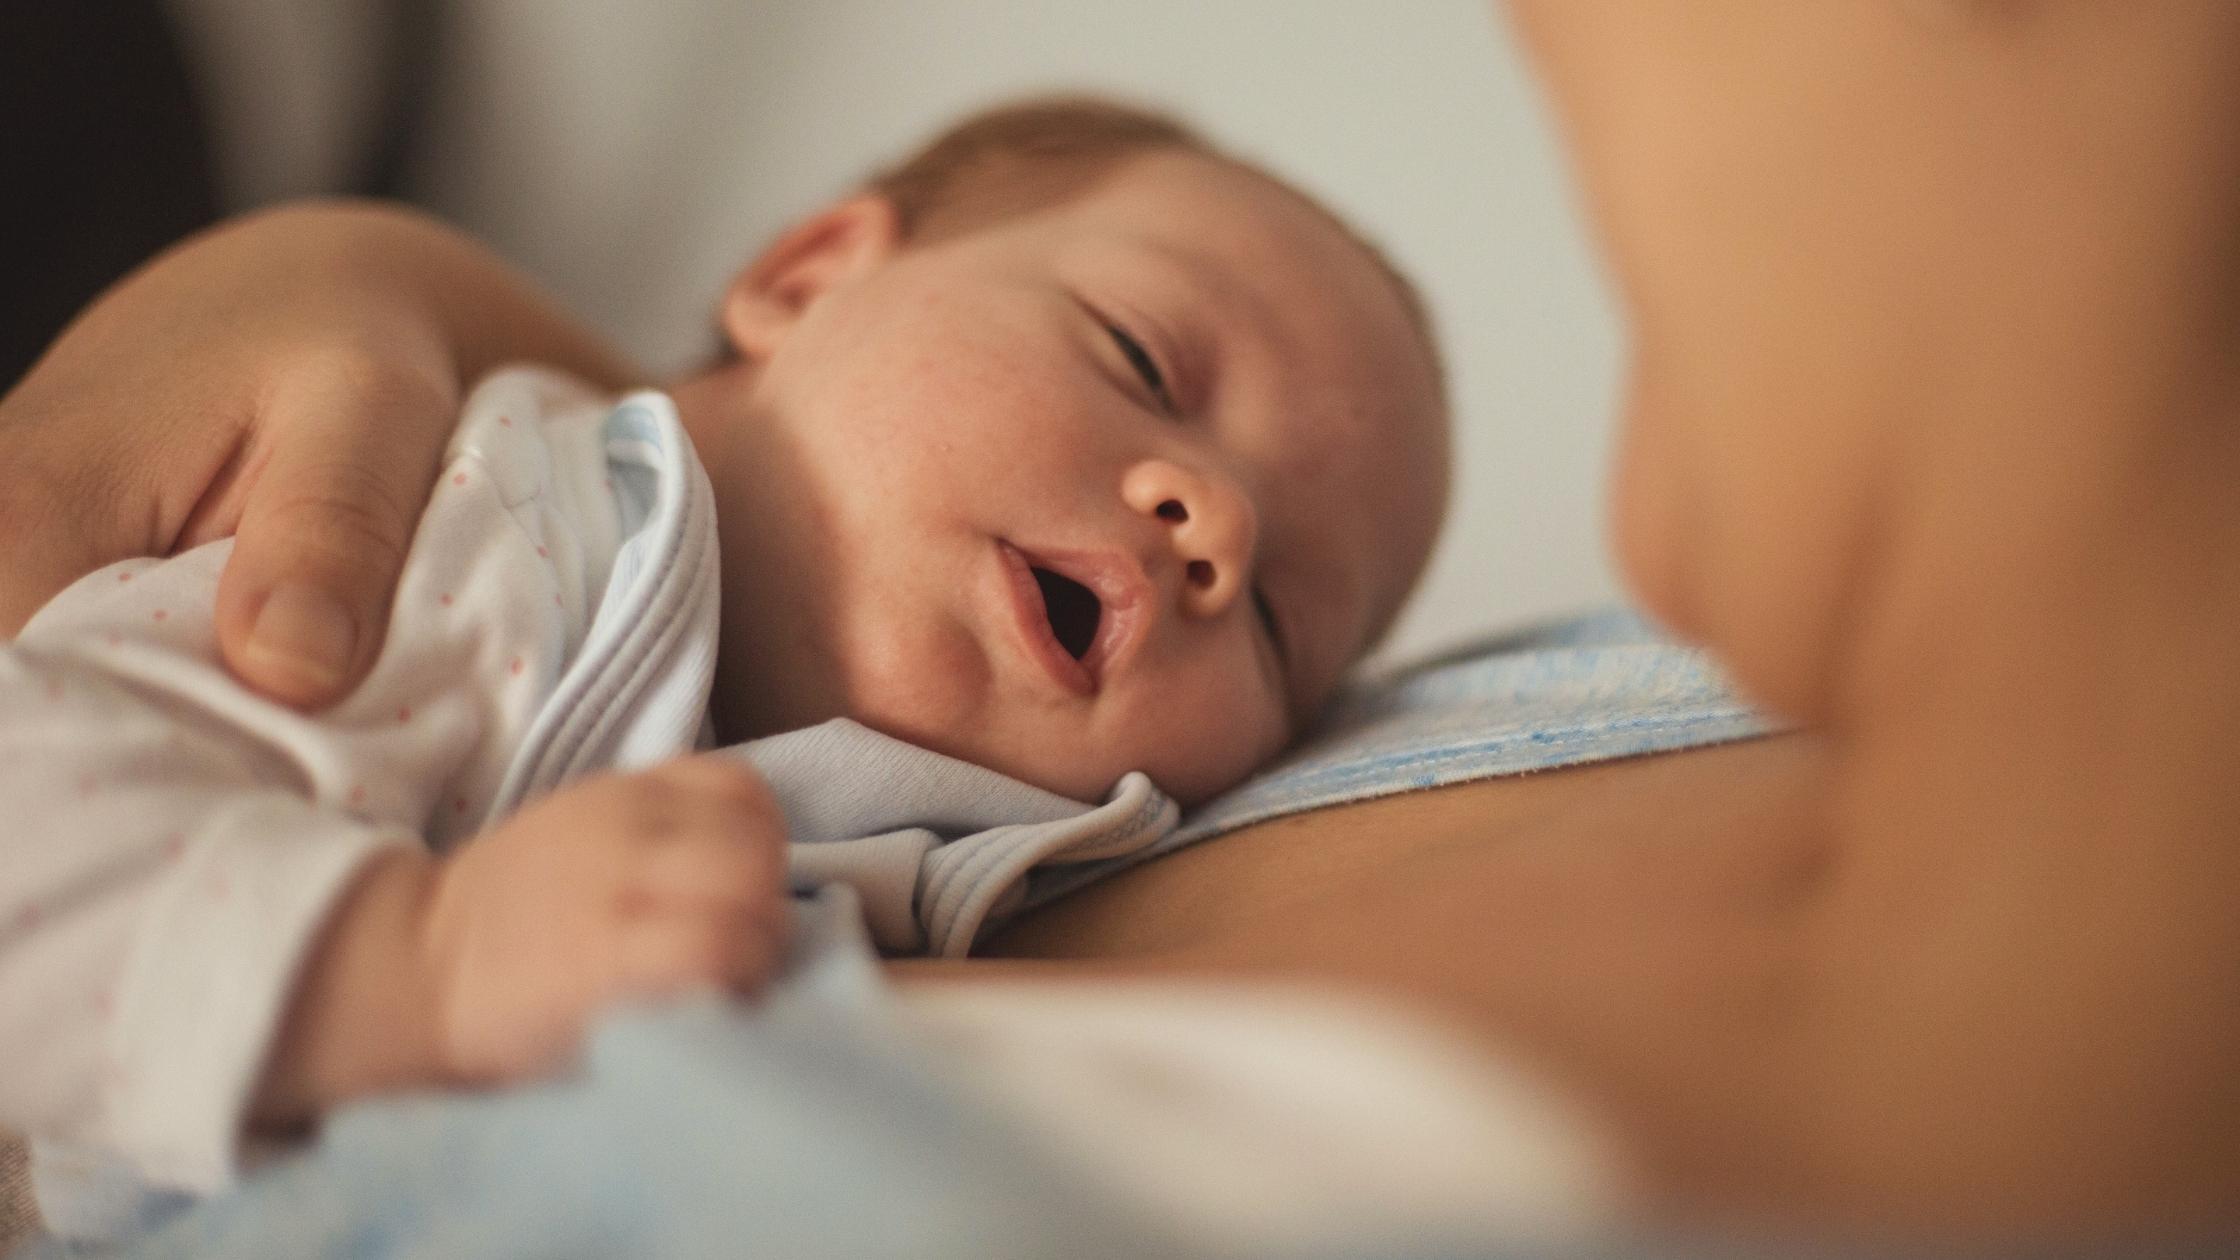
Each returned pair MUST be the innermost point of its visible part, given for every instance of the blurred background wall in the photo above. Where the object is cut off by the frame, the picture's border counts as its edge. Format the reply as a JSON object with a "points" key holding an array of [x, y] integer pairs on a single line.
{"points": [[631, 153]]}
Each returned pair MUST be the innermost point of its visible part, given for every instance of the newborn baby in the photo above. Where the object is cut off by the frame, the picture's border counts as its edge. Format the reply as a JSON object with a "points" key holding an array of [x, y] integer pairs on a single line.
{"points": [[1070, 448]]}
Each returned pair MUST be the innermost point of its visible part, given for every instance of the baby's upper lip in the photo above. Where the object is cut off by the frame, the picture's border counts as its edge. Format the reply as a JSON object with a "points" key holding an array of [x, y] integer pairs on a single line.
{"points": [[1124, 594]]}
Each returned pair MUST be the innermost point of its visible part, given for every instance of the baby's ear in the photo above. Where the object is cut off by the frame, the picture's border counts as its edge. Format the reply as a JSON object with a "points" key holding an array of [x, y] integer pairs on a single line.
{"points": [[835, 245]]}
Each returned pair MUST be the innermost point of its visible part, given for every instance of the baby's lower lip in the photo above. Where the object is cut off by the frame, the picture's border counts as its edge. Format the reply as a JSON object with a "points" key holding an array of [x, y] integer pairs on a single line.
{"points": [[1031, 622]]}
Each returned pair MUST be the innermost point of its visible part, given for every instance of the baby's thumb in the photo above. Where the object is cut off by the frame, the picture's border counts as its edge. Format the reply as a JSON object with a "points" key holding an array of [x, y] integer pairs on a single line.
{"points": [[304, 600]]}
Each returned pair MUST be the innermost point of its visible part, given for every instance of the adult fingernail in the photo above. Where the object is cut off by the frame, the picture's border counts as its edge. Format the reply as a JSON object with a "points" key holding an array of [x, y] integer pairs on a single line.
{"points": [[305, 632]]}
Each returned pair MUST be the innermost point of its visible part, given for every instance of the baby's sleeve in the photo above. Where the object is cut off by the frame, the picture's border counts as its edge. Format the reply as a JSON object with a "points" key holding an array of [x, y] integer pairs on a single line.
{"points": [[163, 873], [172, 842]]}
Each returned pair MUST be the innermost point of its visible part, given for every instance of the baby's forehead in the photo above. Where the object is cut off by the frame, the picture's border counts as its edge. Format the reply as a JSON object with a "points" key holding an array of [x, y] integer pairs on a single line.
{"points": [[1280, 253]]}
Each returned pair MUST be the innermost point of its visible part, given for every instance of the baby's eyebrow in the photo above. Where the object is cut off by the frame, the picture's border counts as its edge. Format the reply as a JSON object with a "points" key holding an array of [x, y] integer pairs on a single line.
{"points": [[1201, 282]]}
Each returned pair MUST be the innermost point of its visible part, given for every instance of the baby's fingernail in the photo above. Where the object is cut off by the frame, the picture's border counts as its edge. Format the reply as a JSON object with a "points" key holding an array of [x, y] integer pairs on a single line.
{"points": [[306, 632]]}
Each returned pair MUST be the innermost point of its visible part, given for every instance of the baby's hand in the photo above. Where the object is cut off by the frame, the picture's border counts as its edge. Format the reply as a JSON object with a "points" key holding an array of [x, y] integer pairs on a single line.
{"points": [[627, 885]]}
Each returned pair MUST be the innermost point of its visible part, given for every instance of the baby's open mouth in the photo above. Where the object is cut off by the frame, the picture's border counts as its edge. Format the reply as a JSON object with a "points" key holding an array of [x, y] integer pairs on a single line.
{"points": [[1073, 609]]}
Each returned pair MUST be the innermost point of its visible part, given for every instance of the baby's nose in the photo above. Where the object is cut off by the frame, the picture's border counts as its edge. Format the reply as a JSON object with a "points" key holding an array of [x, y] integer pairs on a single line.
{"points": [[1209, 524]]}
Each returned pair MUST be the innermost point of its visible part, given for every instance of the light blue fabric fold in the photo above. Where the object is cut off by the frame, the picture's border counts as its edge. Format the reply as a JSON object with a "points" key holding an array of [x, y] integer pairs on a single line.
{"points": [[710, 1128], [1567, 693], [936, 848], [1591, 689]]}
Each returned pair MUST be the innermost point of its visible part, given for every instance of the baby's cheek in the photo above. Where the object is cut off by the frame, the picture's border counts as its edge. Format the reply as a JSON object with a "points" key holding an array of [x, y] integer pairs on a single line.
{"points": [[1202, 750]]}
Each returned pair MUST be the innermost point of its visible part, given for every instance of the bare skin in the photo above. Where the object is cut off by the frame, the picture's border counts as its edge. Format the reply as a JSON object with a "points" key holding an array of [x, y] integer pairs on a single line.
{"points": [[1633, 929], [1932, 440], [1675, 940]]}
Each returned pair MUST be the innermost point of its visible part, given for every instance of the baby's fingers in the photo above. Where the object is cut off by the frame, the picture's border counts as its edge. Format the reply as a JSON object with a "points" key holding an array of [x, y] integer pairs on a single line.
{"points": [[726, 785], [717, 797], [670, 954], [715, 871]]}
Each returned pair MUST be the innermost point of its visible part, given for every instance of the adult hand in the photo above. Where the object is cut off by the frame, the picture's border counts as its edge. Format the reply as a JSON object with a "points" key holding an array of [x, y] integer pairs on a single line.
{"points": [[289, 379]]}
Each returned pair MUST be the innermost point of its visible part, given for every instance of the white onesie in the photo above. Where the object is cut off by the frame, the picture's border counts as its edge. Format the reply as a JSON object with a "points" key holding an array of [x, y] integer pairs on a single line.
{"points": [[174, 840]]}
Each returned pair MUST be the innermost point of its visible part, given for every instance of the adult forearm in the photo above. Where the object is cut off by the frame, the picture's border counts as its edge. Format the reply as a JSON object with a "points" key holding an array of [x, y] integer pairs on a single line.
{"points": [[145, 426], [439, 292], [292, 377]]}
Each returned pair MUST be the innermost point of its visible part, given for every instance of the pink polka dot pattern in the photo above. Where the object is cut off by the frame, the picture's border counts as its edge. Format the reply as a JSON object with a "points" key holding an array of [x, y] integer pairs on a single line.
{"points": [[125, 576], [444, 599], [515, 668], [162, 614], [458, 479], [358, 794], [404, 713]]}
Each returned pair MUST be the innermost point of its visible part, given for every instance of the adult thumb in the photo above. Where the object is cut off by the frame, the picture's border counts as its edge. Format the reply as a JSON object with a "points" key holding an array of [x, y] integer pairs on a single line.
{"points": [[341, 471]]}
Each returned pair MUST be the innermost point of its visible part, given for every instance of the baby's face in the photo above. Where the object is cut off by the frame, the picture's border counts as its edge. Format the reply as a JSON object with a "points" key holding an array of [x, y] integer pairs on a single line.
{"points": [[1122, 484]]}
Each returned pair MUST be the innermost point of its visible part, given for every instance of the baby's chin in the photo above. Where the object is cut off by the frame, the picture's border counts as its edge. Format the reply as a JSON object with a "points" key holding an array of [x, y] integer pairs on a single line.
{"points": [[1075, 779], [1189, 776], [1032, 761], [1190, 786]]}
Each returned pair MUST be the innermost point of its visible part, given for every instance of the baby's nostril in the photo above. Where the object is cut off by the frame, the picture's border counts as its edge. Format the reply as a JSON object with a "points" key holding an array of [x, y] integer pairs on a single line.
{"points": [[1201, 573], [1172, 510]]}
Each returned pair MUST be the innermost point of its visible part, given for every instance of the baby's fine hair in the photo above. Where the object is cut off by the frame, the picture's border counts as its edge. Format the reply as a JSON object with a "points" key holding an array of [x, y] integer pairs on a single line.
{"points": [[1020, 157], [1029, 155]]}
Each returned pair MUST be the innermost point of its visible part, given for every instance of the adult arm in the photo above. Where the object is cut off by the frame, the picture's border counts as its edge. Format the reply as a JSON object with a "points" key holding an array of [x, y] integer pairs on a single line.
{"points": [[291, 377]]}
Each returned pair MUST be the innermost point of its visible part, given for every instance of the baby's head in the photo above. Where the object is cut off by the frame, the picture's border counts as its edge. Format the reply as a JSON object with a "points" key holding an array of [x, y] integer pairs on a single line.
{"points": [[1069, 447]]}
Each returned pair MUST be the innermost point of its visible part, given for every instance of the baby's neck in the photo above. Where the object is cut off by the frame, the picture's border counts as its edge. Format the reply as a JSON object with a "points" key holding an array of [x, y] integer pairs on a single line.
{"points": [[712, 405], [707, 398]]}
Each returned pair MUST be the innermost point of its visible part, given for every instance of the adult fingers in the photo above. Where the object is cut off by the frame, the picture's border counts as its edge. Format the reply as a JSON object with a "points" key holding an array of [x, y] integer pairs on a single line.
{"points": [[334, 479]]}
